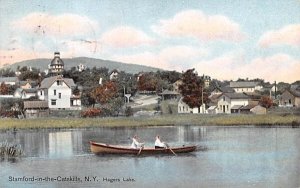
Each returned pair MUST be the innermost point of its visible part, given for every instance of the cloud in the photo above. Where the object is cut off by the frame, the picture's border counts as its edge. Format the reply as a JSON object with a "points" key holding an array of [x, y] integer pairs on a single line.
{"points": [[278, 67], [181, 53], [145, 58], [125, 36], [194, 23], [63, 25], [170, 58], [82, 47], [288, 35]]}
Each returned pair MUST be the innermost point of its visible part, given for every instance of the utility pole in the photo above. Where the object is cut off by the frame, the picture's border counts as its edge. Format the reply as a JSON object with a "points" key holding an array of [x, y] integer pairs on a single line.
{"points": [[275, 90]]}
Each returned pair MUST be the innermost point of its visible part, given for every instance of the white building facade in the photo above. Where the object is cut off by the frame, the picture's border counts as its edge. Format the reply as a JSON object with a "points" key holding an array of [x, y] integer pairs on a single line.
{"points": [[58, 92], [229, 100]]}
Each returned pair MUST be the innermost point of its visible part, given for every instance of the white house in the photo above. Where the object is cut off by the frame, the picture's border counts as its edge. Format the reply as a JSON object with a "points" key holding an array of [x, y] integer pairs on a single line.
{"points": [[58, 92], [229, 102], [244, 86], [114, 74], [184, 108], [176, 85], [25, 93], [81, 67]]}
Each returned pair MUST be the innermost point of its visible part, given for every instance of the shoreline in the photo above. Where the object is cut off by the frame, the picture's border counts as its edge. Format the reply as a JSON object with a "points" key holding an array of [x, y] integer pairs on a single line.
{"points": [[267, 120]]}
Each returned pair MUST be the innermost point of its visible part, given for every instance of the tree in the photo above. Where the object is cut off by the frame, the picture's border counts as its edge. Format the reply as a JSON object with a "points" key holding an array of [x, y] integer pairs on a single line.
{"points": [[7, 73], [192, 89], [102, 94], [4, 89], [12, 106], [147, 82], [116, 105], [266, 102]]}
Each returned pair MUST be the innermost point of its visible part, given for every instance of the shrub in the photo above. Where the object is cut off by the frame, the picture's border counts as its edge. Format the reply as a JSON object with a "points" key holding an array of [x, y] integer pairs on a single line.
{"points": [[91, 112], [128, 111]]}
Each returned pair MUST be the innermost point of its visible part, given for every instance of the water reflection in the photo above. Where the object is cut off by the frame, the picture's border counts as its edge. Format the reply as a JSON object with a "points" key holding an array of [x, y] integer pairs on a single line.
{"points": [[66, 143]]}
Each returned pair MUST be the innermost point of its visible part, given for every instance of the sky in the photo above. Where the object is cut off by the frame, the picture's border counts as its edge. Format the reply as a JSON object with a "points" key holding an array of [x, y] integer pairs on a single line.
{"points": [[225, 39]]}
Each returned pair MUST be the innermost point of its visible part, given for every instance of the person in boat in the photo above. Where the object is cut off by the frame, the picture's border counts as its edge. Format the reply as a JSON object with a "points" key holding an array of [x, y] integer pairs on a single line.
{"points": [[135, 143], [159, 144]]}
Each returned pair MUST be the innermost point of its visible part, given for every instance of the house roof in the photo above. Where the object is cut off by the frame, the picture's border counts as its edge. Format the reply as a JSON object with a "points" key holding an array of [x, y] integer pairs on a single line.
{"points": [[294, 92], [236, 107], [212, 107], [47, 82], [295, 87], [235, 95], [56, 60], [9, 79], [243, 84], [35, 104], [225, 89], [23, 83], [31, 90], [248, 107]]}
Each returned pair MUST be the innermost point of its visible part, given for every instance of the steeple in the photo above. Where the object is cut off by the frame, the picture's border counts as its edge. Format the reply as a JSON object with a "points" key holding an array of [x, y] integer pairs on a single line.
{"points": [[56, 66]]}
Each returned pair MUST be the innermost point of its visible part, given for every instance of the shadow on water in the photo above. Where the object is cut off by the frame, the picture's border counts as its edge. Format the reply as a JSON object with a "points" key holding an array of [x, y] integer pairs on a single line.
{"points": [[10, 159]]}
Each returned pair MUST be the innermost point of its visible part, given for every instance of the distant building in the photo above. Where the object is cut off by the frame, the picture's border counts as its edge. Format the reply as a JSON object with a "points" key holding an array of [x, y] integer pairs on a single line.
{"points": [[81, 67], [258, 110], [231, 102], [9, 80], [206, 80], [220, 90], [58, 91], [290, 97], [34, 109], [25, 93], [245, 86], [184, 108], [28, 84], [114, 74], [176, 85], [56, 66]]}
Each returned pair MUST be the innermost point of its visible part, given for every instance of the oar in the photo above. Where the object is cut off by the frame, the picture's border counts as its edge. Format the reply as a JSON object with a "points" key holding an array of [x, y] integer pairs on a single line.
{"points": [[140, 151], [168, 147]]}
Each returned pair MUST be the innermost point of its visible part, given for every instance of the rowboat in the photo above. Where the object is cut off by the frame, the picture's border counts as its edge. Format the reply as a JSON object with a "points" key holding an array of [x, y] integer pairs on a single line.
{"points": [[101, 148]]}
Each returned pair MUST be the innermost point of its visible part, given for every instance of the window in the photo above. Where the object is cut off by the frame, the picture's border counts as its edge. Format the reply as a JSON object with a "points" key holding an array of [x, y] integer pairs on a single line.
{"points": [[59, 95], [59, 82], [227, 107], [54, 92], [53, 102], [223, 98], [41, 92]]}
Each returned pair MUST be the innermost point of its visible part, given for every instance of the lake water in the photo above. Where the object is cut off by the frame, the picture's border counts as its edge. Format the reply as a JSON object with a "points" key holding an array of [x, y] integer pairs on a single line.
{"points": [[228, 157]]}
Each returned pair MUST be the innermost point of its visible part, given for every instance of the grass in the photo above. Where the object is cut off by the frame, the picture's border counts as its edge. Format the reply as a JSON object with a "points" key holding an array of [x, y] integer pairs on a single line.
{"points": [[10, 150], [180, 119]]}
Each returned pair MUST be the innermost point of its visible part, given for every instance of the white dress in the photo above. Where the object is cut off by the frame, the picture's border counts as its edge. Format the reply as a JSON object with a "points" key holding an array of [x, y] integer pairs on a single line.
{"points": [[158, 143], [136, 144]]}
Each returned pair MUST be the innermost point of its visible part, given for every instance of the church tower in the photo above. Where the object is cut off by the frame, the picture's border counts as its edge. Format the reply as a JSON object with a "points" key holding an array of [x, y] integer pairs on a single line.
{"points": [[56, 66]]}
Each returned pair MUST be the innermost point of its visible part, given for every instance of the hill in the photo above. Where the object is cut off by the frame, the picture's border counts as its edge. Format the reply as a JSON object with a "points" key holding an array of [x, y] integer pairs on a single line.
{"points": [[42, 64]]}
